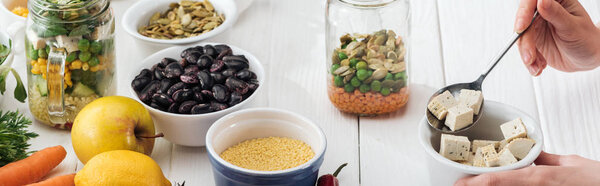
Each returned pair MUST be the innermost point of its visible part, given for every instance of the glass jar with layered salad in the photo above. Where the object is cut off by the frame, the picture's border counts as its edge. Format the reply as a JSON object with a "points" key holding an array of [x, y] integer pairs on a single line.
{"points": [[70, 57], [367, 55]]}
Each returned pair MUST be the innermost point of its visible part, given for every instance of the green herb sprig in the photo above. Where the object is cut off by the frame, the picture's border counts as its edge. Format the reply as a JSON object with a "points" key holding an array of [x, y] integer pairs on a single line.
{"points": [[14, 137], [20, 92]]}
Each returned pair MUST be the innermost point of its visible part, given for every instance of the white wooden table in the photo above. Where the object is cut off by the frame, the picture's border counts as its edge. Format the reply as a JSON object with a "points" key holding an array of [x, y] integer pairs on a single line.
{"points": [[451, 41]]}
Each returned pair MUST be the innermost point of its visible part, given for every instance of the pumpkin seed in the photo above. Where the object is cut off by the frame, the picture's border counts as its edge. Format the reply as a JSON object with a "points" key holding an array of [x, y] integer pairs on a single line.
{"points": [[341, 70], [379, 74], [184, 19]]}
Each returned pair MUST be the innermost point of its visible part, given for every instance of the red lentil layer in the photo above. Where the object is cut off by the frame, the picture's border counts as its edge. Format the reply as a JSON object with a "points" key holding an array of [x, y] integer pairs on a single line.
{"points": [[369, 103]]}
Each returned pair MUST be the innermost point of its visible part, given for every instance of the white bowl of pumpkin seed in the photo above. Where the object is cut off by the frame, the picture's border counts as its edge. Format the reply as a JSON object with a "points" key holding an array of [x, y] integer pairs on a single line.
{"points": [[178, 21]]}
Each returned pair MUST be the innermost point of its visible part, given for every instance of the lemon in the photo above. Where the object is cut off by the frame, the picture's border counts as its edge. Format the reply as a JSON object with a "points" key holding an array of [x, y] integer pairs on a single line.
{"points": [[121, 167]]}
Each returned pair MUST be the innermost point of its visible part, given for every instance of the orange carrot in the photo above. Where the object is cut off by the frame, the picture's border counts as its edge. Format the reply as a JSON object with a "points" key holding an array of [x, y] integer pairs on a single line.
{"points": [[33, 168], [64, 180]]}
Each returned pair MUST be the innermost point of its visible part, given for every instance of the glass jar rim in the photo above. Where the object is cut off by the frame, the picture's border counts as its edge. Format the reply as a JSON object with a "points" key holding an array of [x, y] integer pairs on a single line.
{"points": [[48, 6], [367, 3]]}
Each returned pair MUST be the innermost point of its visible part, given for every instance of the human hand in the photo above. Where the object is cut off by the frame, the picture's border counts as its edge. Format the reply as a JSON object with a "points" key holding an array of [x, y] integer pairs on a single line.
{"points": [[550, 169], [563, 36]]}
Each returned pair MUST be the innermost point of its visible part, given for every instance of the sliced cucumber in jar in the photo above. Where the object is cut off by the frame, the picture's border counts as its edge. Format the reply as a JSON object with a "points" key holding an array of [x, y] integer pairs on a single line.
{"points": [[41, 84], [82, 91]]}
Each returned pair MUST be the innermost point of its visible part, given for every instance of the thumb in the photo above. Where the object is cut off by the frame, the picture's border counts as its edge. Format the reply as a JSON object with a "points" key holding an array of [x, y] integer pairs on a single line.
{"points": [[555, 14]]}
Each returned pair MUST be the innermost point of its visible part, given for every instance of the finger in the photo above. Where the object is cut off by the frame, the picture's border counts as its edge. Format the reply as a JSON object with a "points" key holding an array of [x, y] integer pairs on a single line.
{"points": [[547, 159], [540, 63], [555, 13], [508, 178], [524, 14]]}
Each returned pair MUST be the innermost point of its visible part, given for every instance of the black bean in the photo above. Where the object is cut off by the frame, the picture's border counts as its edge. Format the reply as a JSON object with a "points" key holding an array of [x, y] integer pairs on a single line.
{"points": [[156, 106], [166, 61], [206, 81], [191, 69], [165, 84], [218, 77], [198, 97], [216, 106], [174, 108], [207, 95], [159, 74], [145, 73], [211, 51], [241, 58], [201, 108], [220, 93], [189, 78], [162, 99], [237, 65], [187, 51], [192, 57], [183, 95], [175, 87], [183, 62], [223, 51], [205, 62], [173, 70], [199, 48], [186, 107], [148, 91], [252, 87], [217, 66], [236, 85], [229, 72], [245, 75], [196, 89], [235, 99], [139, 83]]}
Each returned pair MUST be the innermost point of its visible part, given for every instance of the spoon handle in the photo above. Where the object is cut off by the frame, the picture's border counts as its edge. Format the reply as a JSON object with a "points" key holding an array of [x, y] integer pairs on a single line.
{"points": [[497, 59]]}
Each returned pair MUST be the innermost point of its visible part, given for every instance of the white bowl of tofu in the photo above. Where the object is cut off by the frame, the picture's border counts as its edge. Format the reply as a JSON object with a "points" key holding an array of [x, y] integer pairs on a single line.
{"points": [[505, 138]]}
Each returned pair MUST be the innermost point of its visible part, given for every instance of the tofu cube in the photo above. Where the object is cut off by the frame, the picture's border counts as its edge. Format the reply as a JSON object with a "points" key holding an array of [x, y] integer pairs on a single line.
{"points": [[513, 129], [103, 32], [69, 43], [440, 104], [476, 144], [478, 159], [490, 157], [471, 98], [36, 41], [506, 157], [459, 117], [520, 147], [502, 144], [455, 148]]}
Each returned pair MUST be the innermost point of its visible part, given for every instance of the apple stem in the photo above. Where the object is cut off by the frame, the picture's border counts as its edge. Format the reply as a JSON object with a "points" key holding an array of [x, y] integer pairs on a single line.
{"points": [[154, 136]]}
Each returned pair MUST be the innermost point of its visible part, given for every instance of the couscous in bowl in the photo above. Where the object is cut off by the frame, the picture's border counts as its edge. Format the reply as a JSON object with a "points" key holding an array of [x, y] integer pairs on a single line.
{"points": [[258, 123]]}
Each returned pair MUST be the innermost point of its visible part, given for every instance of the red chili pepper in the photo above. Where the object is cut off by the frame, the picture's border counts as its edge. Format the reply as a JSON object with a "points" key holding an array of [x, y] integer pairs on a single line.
{"points": [[330, 180]]}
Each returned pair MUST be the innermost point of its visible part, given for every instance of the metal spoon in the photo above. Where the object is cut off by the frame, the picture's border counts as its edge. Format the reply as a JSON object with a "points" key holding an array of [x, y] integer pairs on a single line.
{"points": [[475, 85]]}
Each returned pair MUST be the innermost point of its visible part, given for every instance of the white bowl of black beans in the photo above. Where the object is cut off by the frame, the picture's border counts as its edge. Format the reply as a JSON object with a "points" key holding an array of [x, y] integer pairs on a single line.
{"points": [[185, 97]]}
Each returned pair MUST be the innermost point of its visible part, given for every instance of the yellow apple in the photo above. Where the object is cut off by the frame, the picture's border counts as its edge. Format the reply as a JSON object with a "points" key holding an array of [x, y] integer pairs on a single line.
{"points": [[112, 123]]}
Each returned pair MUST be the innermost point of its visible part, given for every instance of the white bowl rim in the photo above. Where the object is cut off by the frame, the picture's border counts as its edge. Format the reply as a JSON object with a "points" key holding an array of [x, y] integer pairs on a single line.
{"points": [[528, 160], [230, 19], [307, 164], [248, 55], [6, 10]]}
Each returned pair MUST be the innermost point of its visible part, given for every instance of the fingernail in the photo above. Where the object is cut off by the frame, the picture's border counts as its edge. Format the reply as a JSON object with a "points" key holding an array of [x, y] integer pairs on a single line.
{"points": [[533, 69]]}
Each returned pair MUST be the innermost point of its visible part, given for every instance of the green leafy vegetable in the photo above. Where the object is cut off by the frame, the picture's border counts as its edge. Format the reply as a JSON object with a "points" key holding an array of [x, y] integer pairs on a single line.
{"points": [[14, 137], [4, 51], [80, 30], [20, 92]]}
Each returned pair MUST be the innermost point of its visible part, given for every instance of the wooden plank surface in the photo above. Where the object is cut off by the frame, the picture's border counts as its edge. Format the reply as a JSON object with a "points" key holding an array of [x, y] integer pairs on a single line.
{"points": [[389, 151]]}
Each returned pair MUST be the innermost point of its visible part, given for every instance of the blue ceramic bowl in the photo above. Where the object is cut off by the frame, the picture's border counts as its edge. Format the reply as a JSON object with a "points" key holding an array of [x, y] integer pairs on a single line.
{"points": [[259, 123]]}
